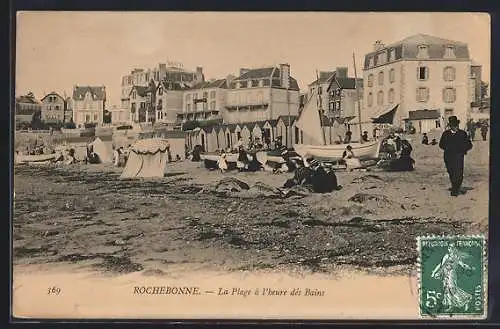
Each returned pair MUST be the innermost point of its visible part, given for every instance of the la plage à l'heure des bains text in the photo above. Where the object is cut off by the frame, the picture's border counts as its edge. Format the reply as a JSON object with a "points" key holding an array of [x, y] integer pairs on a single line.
{"points": [[194, 290]]}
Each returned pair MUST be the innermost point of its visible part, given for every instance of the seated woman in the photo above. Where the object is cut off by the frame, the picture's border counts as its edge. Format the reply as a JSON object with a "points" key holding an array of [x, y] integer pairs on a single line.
{"points": [[350, 160], [404, 162]]}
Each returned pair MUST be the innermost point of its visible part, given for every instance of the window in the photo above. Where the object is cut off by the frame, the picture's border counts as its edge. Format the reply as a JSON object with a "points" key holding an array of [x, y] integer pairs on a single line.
{"points": [[134, 94], [438, 124], [448, 112], [422, 73], [449, 95], [449, 52], [392, 75], [370, 80], [188, 98], [380, 98], [392, 55], [370, 99], [372, 62], [205, 95], [449, 73], [423, 51], [266, 82], [422, 94], [57, 107], [391, 96], [188, 107], [160, 91], [87, 118], [212, 94], [380, 59], [381, 78], [95, 117], [205, 105], [160, 104]]}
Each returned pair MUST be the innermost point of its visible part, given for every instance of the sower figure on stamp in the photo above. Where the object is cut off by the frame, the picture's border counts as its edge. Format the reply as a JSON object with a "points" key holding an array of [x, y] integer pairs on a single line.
{"points": [[446, 270], [455, 143]]}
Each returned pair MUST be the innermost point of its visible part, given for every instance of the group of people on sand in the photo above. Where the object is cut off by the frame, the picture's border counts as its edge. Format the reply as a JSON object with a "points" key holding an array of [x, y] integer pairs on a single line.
{"points": [[315, 175], [472, 126]]}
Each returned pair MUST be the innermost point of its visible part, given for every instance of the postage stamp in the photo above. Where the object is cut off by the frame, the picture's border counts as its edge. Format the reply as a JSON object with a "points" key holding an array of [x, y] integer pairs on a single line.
{"points": [[452, 276]]}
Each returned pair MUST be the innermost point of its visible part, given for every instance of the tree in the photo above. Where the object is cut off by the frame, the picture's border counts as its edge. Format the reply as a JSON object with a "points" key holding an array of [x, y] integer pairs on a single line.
{"points": [[36, 120], [484, 89], [30, 95], [107, 117]]}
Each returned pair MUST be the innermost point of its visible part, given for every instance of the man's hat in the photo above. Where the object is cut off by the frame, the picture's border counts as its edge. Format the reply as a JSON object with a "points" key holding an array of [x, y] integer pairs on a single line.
{"points": [[453, 121]]}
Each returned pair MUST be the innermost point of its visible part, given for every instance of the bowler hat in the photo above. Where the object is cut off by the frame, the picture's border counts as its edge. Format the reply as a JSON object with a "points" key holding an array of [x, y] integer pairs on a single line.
{"points": [[453, 120]]}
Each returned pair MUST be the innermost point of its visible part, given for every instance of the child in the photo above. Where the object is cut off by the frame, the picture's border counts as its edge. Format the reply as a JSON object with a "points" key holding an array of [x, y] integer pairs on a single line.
{"points": [[222, 163]]}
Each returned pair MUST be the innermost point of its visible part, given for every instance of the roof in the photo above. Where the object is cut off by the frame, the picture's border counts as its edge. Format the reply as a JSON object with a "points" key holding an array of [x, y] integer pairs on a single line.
{"points": [[173, 134], [288, 120], [53, 94], [174, 85], [232, 127], [150, 146], [220, 83], [408, 48], [141, 90], [26, 99], [324, 77], [344, 82], [424, 115], [80, 91], [267, 72]]}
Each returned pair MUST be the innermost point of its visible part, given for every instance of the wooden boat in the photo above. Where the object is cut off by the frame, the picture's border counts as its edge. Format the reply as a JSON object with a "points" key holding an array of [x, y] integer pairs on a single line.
{"points": [[19, 158], [333, 152]]}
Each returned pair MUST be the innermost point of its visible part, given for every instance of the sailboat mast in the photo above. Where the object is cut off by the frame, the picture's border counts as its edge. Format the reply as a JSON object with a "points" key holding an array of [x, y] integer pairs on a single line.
{"points": [[357, 96]]}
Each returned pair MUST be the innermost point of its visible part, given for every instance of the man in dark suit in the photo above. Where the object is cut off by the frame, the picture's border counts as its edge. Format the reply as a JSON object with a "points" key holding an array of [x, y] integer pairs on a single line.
{"points": [[456, 143]]}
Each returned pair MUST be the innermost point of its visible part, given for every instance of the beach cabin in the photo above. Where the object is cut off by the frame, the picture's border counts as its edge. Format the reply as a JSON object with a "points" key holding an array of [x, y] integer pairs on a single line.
{"points": [[237, 133], [268, 130], [285, 128], [221, 137], [246, 133], [213, 138], [424, 120], [229, 135]]}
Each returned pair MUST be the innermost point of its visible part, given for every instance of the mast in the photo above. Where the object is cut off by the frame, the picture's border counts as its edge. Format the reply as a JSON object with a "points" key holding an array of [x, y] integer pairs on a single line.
{"points": [[357, 95]]}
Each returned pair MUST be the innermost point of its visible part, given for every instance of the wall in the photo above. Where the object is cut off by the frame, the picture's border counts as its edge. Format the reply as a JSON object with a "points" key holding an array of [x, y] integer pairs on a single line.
{"points": [[172, 105], [53, 110]]}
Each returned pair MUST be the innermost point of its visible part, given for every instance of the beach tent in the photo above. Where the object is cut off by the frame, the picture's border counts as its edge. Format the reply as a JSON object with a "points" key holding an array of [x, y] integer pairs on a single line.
{"points": [[147, 159], [101, 150]]}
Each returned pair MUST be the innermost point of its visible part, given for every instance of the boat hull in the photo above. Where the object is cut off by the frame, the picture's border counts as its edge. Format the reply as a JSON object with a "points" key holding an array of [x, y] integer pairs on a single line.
{"points": [[36, 158], [362, 151]]}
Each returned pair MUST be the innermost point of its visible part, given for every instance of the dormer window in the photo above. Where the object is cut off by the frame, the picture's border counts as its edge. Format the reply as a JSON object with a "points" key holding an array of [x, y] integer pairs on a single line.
{"points": [[423, 51], [372, 62], [160, 91], [449, 52], [392, 55]]}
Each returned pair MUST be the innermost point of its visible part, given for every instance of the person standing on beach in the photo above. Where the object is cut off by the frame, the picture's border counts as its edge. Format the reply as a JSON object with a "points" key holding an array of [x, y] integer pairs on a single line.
{"points": [[455, 143], [484, 130]]}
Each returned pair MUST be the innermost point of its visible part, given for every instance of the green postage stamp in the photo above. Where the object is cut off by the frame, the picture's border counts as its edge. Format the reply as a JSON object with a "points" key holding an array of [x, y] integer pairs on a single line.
{"points": [[452, 276]]}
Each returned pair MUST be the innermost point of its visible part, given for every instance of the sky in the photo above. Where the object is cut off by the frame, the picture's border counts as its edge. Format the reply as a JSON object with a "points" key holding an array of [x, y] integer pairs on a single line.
{"points": [[57, 50]]}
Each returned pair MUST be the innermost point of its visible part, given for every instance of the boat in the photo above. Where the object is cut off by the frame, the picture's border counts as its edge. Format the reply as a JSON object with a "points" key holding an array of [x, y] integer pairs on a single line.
{"points": [[31, 159], [333, 152], [309, 122]]}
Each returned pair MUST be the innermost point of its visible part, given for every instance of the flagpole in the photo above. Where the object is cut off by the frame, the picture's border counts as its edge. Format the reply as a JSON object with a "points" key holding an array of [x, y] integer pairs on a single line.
{"points": [[357, 94]]}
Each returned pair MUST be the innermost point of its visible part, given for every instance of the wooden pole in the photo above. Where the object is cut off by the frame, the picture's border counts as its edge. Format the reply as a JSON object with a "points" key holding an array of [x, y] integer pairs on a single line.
{"points": [[320, 107], [357, 95]]}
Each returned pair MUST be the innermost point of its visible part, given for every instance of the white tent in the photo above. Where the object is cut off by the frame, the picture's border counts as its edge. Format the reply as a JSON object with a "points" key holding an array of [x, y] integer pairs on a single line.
{"points": [[147, 159]]}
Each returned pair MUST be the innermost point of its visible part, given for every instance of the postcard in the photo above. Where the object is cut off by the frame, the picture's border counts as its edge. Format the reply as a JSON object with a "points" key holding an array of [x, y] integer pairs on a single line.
{"points": [[251, 165]]}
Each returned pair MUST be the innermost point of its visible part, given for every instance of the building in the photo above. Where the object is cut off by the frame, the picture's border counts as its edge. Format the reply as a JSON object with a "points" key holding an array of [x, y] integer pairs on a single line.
{"points": [[174, 72], [88, 105], [261, 94], [424, 120], [141, 101], [322, 83], [476, 82], [53, 108], [205, 101], [25, 107], [168, 101], [417, 73]]}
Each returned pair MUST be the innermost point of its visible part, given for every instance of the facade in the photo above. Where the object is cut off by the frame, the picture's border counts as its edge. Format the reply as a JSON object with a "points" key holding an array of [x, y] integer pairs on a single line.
{"points": [[476, 80], [142, 77], [419, 72], [88, 104], [204, 101], [343, 96], [261, 94], [322, 84], [424, 120], [168, 101], [53, 108], [141, 100]]}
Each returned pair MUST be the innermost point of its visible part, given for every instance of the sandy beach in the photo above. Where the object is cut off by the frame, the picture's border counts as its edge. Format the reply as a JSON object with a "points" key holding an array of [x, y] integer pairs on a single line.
{"points": [[83, 224]]}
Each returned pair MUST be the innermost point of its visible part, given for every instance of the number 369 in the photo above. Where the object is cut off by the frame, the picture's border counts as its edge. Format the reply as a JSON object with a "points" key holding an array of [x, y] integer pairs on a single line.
{"points": [[431, 298], [54, 291]]}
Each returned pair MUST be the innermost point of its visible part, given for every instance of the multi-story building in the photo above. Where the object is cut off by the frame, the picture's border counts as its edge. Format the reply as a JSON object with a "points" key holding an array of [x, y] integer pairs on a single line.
{"points": [[205, 101], [168, 102], [143, 77], [53, 107], [26, 107], [322, 83], [417, 73], [141, 104], [261, 94], [476, 81], [88, 104], [342, 96]]}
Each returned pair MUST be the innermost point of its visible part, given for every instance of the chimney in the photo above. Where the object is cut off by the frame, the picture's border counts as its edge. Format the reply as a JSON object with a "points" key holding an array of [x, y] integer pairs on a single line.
{"points": [[199, 74], [341, 72], [229, 79], [285, 75], [243, 71], [377, 45]]}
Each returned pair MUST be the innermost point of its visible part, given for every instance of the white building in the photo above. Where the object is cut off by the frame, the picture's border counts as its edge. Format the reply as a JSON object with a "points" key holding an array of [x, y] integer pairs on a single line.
{"points": [[205, 101], [420, 72], [88, 104]]}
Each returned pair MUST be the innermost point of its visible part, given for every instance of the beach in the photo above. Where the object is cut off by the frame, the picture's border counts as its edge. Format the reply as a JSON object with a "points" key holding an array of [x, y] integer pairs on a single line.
{"points": [[85, 219]]}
